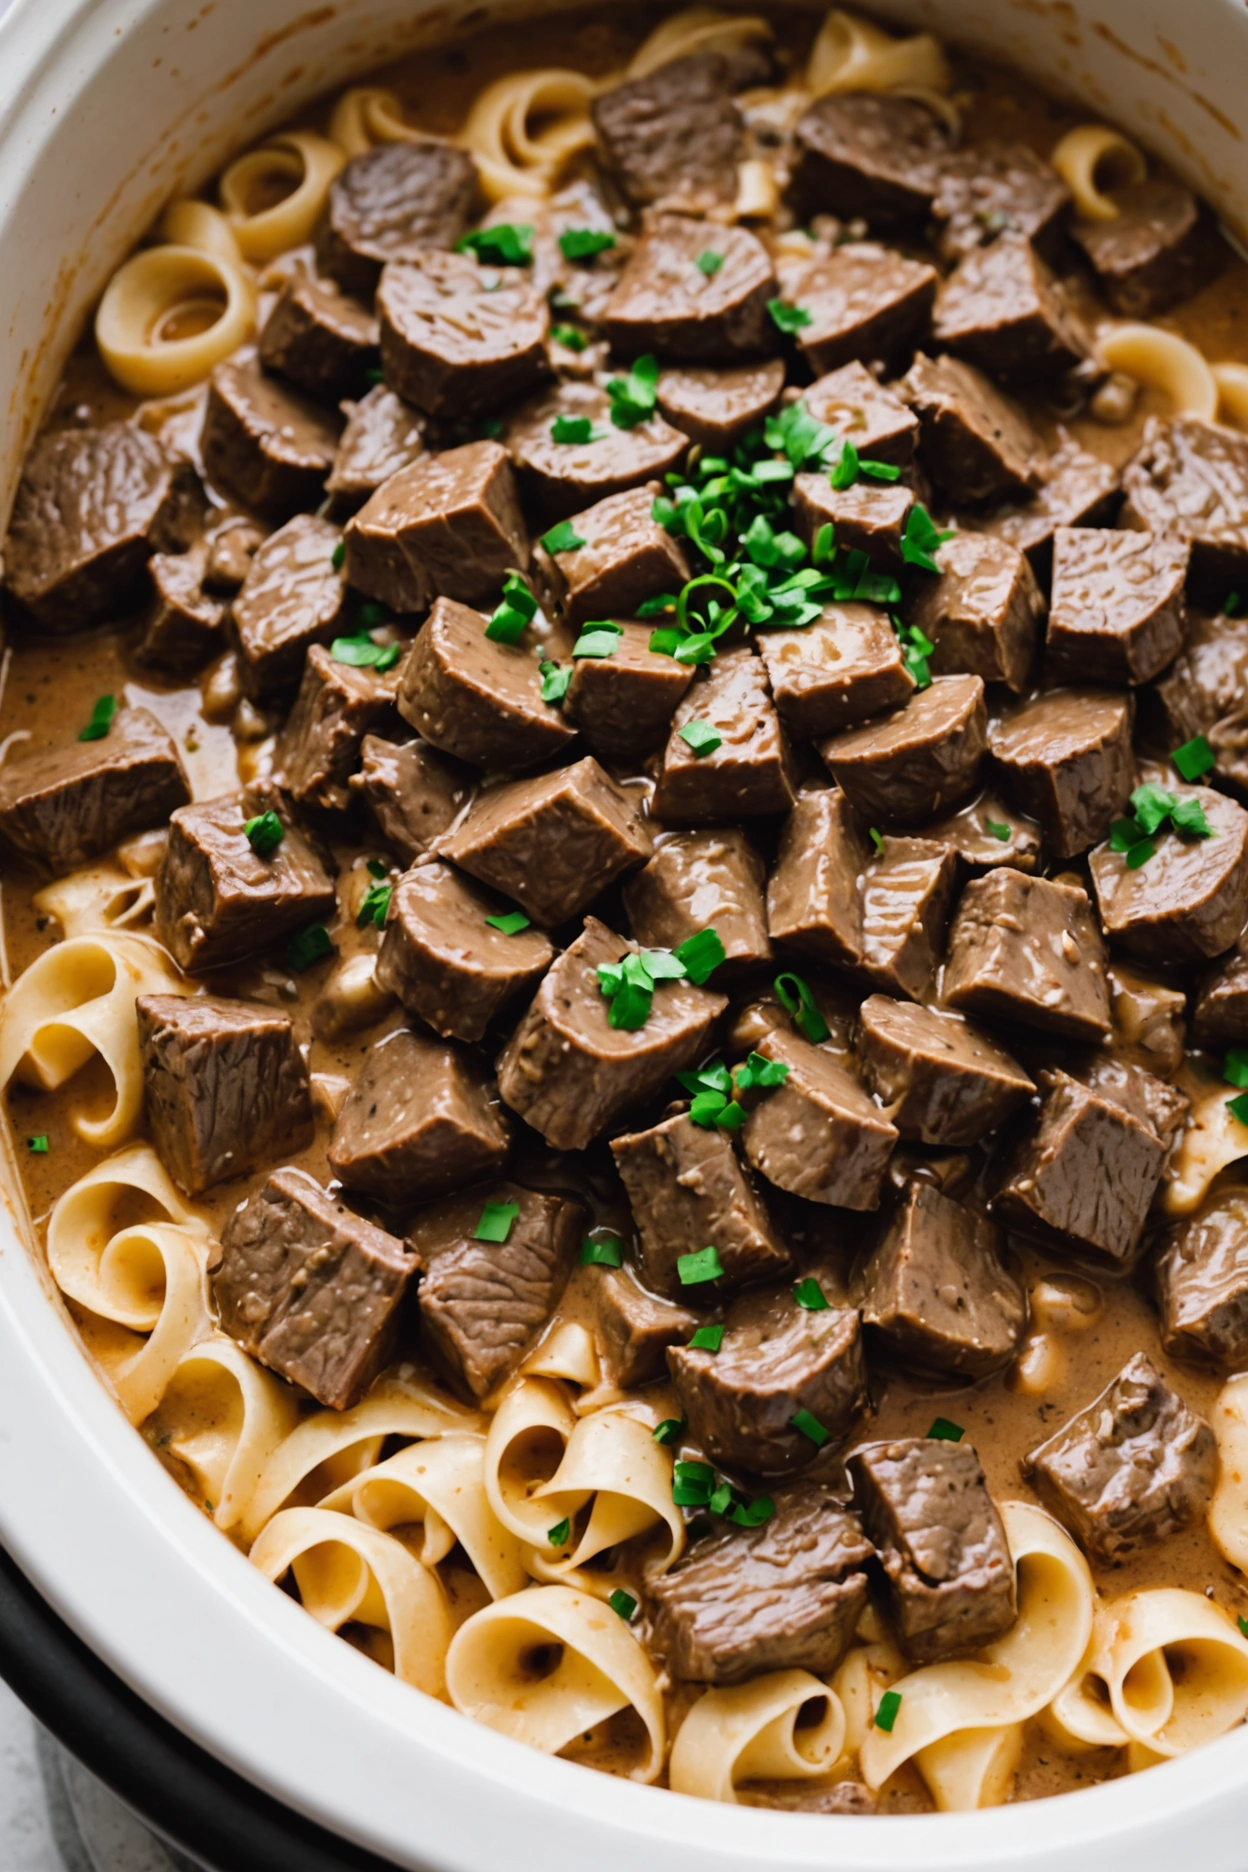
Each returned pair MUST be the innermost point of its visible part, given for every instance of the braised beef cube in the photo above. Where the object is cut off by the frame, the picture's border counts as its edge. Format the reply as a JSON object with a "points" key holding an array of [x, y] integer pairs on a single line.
{"points": [[391, 203], [624, 558], [866, 154], [864, 301], [563, 476], [1066, 760], [623, 703], [1190, 479], [716, 407], [636, 1329], [750, 771], [421, 1118], [946, 1560], [814, 895], [818, 1135], [319, 748], [986, 833], [482, 1303], [476, 697], [1202, 685], [61, 809], [702, 880], [1228, 738], [91, 508], [552, 843], [1161, 247], [841, 669], [183, 627], [907, 892], [457, 338], [984, 612], [569, 1073], [1189, 901], [996, 187], [1079, 489], [264, 443], [935, 1291], [1132, 1468], [1150, 1020], [231, 548], [447, 526], [866, 517], [785, 1595], [943, 1080], [1002, 308], [904, 766], [975, 442], [669, 304], [415, 793], [219, 901], [674, 135], [225, 1086], [1202, 1284], [319, 339], [310, 1289], [687, 1187], [1110, 1074], [867, 413], [1117, 613], [1220, 1007], [293, 597], [1028, 951], [382, 435]]}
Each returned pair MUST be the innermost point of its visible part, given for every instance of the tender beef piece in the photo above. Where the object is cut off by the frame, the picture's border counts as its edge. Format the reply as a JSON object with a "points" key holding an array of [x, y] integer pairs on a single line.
{"points": [[673, 136], [934, 1289], [475, 697], [458, 338], [841, 669], [1201, 1276], [483, 1303], [91, 508], [562, 476], [421, 1118], [687, 1187], [1150, 1020], [1190, 479], [814, 895], [998, 186], [626, 558], [415, 793], [1079, 489], [319, 339], [867, 413], [715, 407], [750, 772], [906, 765], [293, 597], [226, 1088], [382, 435], [1111, 1075], [1118, 613], [983, 613], [231, 548], [319, 748], [866, 518], [866, 154], [552, 843], [1015, 842], [448, 526], [1229, 740], [942, 1080], [1220, 1005], [667, 304], [636, 1329], [310, 1289], [702, 880], [623, 703], [1136, 1465], [264, 443], [818, 1135], [975, 442], [218, 901], [183, 626], [864, 301], [786, 1595], [1189, 902], [950, 1578], [1028, 951], [1002, 308], [1162, 247], [907, 892], [61, 809], [569, 1073], [1066, 760], [1204, 683], [391, 203]]}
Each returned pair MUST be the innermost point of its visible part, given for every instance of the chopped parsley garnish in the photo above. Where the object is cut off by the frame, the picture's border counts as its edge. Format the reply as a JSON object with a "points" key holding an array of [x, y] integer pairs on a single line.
{"points": [[788, 318], [377, 868], [562, 538], [558, 1535], [877, 839], [1235, 1067], [942, 1431], [572, 429], [916, 648], [709, 262], [809, 1294], [693, 1270], [699, 955], [598, 639], [1238, 1107], [796, 999], [922, 537], [629, 983], [721, 1500], [1233, 604], [886, 1715], [656, 606], [633, 397], [996, 829], [101, 719], [510, 922], [1152, 806], [759, 1074], [496, 1221], [809, 1426], [361, 652], [669, 1430], [701, 737], [338, 555], [1242, 1622], [374, 377], [510, 243], [39, 1145], [584, 243], [1194, 758], [692, 1483], [375, 904], [309, 946], [264, 833], [752, 1513], [707, 1339], [555, 680], [609, 1252], [623, 1603], [571, 337], [509, 618], [711, 1094]]}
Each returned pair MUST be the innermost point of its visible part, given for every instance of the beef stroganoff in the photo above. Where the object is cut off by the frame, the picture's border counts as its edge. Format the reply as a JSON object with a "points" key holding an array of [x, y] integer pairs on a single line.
{"points": [[621, 757]]}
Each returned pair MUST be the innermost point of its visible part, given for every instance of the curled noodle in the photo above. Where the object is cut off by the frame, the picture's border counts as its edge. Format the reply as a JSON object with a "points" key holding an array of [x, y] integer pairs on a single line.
{"points": [[696, 29], [1169, 363], [853, 54], [223, 1416], [366, 115], [786, 1726], [1094, 154], [305, 161], [525, 128], [169, 314]]}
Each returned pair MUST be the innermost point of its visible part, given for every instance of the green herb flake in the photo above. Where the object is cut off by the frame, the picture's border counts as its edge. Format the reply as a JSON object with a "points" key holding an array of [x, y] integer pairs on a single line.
{"points": [[633, 398], [374, 377], [555, 681], [701, 737], [788, 318], [584, 243], [886, 1715], [572, 429], [378, 868], [623, 1603], [844, 470], [511, 617], [264, 833], [510, 922], [823, 547], [360, 652], [942, 1431], [375, 904], [669, 1430], [877, 839], [693, 1270], [1194, 758], [709, 262], [571, 337], [692, 1483], [308, 947], [759, 1074], [562, 538], [558, 1535], [1233, 604], [878, 470], [721, 1500], [796, 999], [38, 1145], [707, 1339], [606, 1253], [810, 1427], [752, 1513], [1235, 1067], [509, 243], [1188, 816], [101, 719], [338, 555], [700, 955], [656, 606], [996, 829], [1152, 806], [1238, 1108], [496, 1221], [1242, 1622], [922, 537], [598, 640], [810, 1295]]}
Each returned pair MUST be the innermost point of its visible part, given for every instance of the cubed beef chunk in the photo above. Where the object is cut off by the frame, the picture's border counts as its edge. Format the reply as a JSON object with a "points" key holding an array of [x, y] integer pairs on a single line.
{"points": [[382, 435], [91, 508], [482, 1303], [994, 187], [814, 894], [1189, 901], [1028, 951], [785, 1595], [750, 771], [983, 613], [841, 669], [867, 413], [674, 135], [950, 1577], [569, 1073], [1132, 1468], [562, 476], [61, 809], [715, 407], [623, 703], [986, 833], [554, 842], [1002, 308], [905, 766], [907, 893], [1079, 489], [445, 962], [685, 313], [818, 1135], [1229, 740], [635, 1329], [1204, 683], [687, 1188], [415, 793], [1220, 1007], [975, 442], [864, 518], [319, 748], [864, 301], [776, 1362], [225, 1085], [420, 1119], [942, 1080], [1190, 479], [292, 598], [184, 624], [458, 338], [218, 901], [319, 339], [264, 443], [1161, 247], [702, 880], [447, 526], [476, 697], [1118, 613], [390, 203], [866, 154], [935, 1291], [1201, 1276], [310, 1289], [624, 558], [231, 548], [1066, 759]]}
